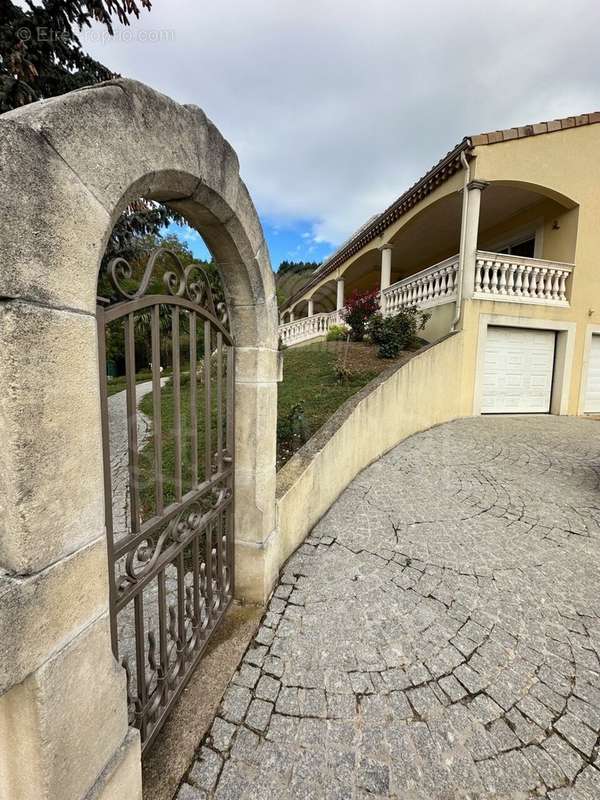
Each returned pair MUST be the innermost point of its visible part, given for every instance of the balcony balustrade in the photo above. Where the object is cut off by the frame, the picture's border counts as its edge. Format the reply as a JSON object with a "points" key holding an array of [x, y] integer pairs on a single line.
{"points": [[498, 277]]}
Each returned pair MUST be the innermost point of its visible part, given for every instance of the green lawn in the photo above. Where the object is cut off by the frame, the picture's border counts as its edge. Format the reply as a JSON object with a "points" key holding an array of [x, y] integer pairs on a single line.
{"points": [[310, 393]]}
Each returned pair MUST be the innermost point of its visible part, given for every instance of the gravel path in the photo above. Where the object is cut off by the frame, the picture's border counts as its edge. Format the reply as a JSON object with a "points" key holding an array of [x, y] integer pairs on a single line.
{"points": [[119, 458], [438, 634]]}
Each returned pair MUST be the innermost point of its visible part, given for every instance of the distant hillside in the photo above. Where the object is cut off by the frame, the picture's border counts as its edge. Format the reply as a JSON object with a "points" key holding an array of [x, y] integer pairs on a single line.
{"points": [[291, 276]]}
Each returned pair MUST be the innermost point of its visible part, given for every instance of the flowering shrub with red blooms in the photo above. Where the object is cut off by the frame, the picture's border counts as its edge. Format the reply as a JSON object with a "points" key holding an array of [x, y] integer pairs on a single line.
{"points": [[360, 307]]}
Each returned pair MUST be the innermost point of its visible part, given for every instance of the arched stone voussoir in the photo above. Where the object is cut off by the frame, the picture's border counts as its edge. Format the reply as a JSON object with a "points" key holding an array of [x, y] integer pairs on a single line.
{"points": [[75, 162], [132, 131]]}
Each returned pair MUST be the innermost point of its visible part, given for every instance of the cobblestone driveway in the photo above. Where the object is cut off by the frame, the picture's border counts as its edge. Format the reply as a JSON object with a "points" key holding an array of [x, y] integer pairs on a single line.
{"points": [[438, 634]]}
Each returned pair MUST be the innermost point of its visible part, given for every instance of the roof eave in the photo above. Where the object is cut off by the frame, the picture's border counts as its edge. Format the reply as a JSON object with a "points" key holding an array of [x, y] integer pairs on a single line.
{"points": [[437, 175]]}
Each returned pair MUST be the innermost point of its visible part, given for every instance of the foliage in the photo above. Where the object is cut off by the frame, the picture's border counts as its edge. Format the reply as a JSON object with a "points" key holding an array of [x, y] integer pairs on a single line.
{"points": [[291, 427], [360, 307], [41, 56], [141, 224], [40, 46], [291, 276], [297, 266], [393, 334], [337, 333], [343, 371]]}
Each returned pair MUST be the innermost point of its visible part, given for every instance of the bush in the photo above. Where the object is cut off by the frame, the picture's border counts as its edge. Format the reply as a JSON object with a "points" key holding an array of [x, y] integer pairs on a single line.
{"points": [[392, 334], [292, 429], [359, 309], [343, 373], [337, 333]]}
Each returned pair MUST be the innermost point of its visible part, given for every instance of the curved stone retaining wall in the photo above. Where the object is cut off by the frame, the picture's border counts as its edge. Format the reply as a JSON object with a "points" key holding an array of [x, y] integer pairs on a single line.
{"points": [[425, 391]]}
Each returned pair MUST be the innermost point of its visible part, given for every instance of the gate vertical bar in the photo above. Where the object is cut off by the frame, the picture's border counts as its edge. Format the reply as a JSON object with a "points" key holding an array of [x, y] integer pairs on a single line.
{"points": [[176, 400], [140, 660], [108, 515], [219, 401], [162, 637], [231, 452], [207, 402], [156, 410], [134, 503], [193, 400]]}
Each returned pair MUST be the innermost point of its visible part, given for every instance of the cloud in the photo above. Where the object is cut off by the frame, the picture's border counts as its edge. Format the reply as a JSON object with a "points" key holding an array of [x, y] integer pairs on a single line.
{"points": [[335, 107]]}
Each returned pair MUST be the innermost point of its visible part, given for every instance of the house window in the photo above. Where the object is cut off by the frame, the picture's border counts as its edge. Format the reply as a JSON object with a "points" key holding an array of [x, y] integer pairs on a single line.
{"points": [[520, 247]]}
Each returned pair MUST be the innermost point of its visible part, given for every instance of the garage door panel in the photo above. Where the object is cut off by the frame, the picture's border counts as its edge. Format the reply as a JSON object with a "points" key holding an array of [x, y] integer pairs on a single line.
{"points": [[518, 368], [592, 393]]}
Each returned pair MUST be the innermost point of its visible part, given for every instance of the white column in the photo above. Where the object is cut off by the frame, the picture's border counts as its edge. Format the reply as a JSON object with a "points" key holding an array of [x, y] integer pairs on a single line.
{"points": [[386, 267], [340, 294], [311, 307], [291, 314], [471, 230]]}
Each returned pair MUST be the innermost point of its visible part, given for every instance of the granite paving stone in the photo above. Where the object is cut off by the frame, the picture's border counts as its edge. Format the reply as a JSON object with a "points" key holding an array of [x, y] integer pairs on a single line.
{"points": [[437, 635]]}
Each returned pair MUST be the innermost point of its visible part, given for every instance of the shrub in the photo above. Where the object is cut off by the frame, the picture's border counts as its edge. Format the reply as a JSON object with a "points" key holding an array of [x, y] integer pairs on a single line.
{"points": [[343, 373], [392, 334], [292, 429], [360, 307], [337, 333]]}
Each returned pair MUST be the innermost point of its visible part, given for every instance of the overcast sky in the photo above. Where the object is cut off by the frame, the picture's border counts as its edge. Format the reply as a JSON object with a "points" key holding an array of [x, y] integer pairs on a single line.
{"points": [[335, 106]]}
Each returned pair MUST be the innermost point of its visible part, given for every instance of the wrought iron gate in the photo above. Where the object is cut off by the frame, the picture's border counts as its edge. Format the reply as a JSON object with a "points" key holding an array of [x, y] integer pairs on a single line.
{"points": [[168, 477]]}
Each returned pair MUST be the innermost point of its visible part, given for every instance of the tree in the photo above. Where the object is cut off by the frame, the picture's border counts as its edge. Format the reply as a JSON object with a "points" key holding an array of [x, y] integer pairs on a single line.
{"points": [[41, 56], [40, 49], [291, 276]]}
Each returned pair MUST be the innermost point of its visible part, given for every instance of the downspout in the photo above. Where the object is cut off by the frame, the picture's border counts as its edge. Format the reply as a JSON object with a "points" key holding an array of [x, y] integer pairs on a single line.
{"points": [[463, 233]]}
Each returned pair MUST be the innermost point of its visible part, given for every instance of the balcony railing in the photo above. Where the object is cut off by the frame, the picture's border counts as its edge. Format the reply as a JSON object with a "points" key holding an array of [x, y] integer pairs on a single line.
{"points": [[521, 280], [430, 287], [305, 328], [501, 278]]}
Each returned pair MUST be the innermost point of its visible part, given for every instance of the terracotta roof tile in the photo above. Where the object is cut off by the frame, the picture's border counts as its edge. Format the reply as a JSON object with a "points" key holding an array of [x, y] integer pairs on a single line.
{"points": [[538, 128]]}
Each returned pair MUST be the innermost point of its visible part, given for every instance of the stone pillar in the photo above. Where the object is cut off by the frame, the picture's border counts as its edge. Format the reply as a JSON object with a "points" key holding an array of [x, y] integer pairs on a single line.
{"points": [[311, 307], [386, 267], [340, 294], [256, 540], [63, 710], [291, 314], [474, 189]]}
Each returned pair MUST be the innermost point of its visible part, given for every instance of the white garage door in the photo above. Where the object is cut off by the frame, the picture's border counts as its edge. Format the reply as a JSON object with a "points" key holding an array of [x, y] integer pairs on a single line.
{"points": [[517, 376], [592, 392]]}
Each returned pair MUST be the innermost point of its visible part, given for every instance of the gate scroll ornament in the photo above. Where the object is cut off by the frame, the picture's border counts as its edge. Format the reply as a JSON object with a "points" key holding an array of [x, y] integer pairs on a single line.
{"points": [[171, 567]]}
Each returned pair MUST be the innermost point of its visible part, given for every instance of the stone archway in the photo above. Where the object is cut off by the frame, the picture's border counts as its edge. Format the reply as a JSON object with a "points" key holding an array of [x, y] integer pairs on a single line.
{"points": [[69, 166]]}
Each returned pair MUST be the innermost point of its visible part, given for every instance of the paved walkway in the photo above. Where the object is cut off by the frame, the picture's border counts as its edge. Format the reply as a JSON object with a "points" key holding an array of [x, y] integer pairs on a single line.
{"points": [[438, 634]]}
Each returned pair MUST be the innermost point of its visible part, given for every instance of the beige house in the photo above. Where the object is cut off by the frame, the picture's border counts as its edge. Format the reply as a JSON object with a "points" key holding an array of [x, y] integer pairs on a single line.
{"points": [[499, 240]]}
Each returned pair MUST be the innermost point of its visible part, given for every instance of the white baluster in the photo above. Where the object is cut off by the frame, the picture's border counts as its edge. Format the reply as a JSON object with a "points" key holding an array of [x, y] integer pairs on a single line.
{"points": [[534, 282], [485, 284], [443, 283], [545, 294], [526, 279], [562, 294], [450, 282], [555, 284], [494, 278], [478, 275], [502, 283], [519, 280]]}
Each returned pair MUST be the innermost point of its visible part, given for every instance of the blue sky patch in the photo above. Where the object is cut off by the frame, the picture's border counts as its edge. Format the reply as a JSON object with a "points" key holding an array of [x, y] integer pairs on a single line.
{"points": [[292, 240]]}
